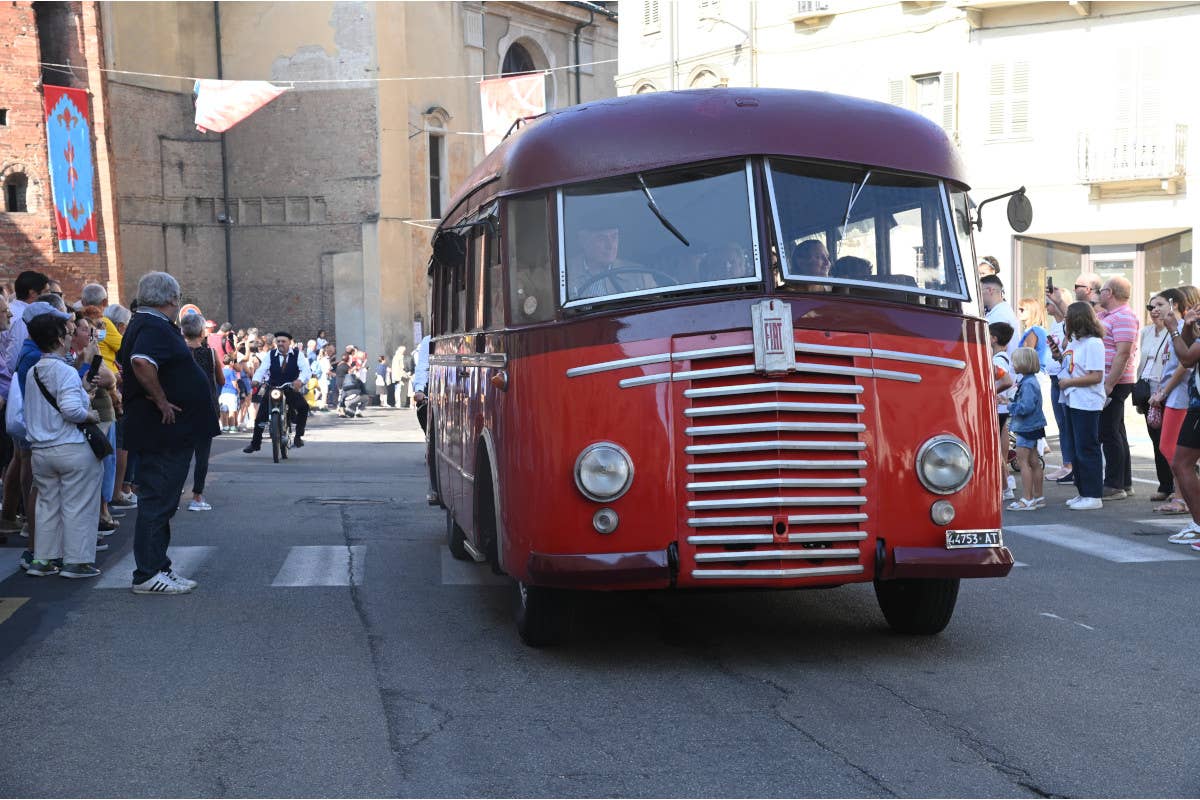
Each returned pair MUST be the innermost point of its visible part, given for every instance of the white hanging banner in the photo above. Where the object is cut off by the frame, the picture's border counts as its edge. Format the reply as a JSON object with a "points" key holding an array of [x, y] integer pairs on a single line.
{"points": [[505, 100], [222, 104]]}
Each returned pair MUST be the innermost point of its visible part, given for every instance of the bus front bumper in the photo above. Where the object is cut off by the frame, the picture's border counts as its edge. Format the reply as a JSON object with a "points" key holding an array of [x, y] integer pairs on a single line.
{"points": [[938, 562], [647, 569]]}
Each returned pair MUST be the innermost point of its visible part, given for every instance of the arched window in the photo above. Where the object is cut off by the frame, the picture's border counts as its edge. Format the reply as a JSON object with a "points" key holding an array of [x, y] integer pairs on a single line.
{"points": [[16, 187], [706, 79], [517, 61], [645, 88]]}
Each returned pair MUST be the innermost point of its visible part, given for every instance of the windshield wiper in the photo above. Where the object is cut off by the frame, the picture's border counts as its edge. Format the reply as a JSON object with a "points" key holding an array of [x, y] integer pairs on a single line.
{"points": [[854, 193], [661, 217]]}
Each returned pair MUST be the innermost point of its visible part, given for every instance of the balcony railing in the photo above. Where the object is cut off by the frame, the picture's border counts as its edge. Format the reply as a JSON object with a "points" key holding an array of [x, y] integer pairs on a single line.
{"points": [[1133, 154]]}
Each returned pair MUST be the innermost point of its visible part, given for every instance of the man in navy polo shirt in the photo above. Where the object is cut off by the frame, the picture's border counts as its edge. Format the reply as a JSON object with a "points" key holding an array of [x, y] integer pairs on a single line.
{"points": [[168, 407]]}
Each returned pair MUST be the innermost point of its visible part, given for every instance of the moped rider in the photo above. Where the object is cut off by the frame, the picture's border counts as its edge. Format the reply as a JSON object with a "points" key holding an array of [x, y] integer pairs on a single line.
{"points": [[284, 367]]}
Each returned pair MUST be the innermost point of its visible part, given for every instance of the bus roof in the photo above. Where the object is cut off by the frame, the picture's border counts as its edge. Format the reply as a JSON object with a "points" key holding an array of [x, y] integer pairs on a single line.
{"points": [[650, 131]]}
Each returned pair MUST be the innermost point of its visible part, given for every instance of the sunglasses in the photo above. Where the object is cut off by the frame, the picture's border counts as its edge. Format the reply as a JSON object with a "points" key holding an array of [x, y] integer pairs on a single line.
{"points": [[1082, 286], [1149, 308]]}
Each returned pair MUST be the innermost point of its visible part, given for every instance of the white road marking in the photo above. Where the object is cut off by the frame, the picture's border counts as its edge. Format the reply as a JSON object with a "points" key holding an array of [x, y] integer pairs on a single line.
{"points": [[468, 573], [1100, 545], [187, 561], [1175, 522], [10, 562], [335, 565], [1064, 619]]}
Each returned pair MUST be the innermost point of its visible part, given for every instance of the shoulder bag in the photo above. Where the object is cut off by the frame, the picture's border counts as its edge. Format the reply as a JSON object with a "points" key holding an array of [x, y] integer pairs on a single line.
{"points": [[1142, 390], [91, 431]]}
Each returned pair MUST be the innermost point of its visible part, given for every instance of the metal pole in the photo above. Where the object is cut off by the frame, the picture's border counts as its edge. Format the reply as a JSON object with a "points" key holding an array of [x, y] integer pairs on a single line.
{"points": [[227, 221]]}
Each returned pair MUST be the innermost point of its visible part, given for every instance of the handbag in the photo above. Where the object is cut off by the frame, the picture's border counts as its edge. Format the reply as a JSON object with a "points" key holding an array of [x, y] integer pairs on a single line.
{"points": [[14, 411], [91, 431], [1141, 395], [1154, 417]]}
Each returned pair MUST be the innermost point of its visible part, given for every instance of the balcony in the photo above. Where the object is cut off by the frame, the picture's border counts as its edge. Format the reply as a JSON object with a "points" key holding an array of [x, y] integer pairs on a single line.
{"points": [[1124, 161]]}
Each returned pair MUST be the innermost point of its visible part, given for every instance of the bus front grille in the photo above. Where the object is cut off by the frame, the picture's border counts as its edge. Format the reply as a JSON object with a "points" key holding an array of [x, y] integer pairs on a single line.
{"points": [[775, 481]]}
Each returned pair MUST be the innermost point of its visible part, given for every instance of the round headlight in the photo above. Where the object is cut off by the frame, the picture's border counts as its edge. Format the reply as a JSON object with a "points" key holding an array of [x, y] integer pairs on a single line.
{"points": [[944, 464], [603, 471], [276, 394]]}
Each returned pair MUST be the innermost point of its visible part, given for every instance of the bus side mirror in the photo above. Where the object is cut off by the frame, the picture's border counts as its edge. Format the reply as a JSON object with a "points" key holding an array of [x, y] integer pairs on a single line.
{"points": [[1020, 210]]}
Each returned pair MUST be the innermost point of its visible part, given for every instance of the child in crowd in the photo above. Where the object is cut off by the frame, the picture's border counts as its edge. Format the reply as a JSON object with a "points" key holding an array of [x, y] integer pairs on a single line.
{"points": [[1028, 422], [1000, 334], [1081, 383]]}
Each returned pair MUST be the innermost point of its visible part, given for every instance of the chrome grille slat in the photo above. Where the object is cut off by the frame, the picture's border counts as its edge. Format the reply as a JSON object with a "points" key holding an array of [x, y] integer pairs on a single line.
{"points": [[779, 574], [778, 555], [778, 463], [777, 444], [828, 536], [773, 386], [794, 519], [776, 502], [777, 427], [777, 483], [732, 538], [763, 408], [766, 538]]}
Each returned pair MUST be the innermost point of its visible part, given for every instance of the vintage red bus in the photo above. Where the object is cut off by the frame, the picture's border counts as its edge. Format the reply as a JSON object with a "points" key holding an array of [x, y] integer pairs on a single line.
{"points": [[719, 338]]}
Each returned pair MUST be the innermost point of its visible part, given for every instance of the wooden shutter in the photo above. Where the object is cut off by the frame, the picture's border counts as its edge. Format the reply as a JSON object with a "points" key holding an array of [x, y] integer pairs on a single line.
{"points": [[1019, 94], [997, 96], [950, 103], [650, 17], [897, 94]]}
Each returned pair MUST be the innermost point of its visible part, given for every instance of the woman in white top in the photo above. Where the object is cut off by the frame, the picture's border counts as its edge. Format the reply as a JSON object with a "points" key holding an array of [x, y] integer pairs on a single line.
{"points": [[1152, 351], [1172, 392], [65, 470], [1081, 381]]}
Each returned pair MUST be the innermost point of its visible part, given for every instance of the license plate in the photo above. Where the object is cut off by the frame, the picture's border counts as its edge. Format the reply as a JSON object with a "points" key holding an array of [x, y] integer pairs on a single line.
{"points": [[982, 538]]}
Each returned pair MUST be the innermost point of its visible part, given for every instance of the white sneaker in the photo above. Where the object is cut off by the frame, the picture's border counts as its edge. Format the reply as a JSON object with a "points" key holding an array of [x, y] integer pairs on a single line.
{"points": [[1008, 495], [1071, 503], [187, 583], [199, 505], [1088, 504], [162, 583]]}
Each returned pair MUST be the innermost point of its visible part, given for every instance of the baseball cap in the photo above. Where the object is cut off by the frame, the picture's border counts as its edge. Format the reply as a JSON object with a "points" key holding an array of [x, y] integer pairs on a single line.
{"points": [[37, 309]]}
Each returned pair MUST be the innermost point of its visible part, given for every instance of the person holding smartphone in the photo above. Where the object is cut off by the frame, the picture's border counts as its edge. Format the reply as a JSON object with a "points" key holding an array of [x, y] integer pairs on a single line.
{"points": [[1055, 344]]}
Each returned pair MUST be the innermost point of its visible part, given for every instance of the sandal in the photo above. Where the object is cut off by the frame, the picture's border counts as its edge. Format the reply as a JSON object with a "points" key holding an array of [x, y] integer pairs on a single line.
{"points": [[1176, 506], [1189, 535], [1158, 497], [1024, 505]]}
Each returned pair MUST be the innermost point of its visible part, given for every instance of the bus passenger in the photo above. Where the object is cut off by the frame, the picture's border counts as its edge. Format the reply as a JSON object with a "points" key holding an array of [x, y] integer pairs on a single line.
{"points": [[725, 262], [590, 273], [811, 258], [852, 267]]}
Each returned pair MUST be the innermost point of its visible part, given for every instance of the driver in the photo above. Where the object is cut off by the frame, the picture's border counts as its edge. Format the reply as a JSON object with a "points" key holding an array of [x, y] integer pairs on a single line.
{"points": [[283, 367], [590, 273]]}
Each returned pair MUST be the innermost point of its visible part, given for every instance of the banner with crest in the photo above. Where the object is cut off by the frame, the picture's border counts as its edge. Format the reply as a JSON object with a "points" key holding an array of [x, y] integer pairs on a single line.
{"points": [[72, 172]]}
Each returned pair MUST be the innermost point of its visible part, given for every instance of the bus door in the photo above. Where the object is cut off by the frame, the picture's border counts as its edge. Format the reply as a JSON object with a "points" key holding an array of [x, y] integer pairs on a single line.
{"points": [[773, 446]]}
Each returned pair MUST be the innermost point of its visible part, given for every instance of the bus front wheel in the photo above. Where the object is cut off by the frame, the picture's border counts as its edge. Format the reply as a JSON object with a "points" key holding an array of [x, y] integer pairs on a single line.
{"points": [[917, 605], [541, 615]]}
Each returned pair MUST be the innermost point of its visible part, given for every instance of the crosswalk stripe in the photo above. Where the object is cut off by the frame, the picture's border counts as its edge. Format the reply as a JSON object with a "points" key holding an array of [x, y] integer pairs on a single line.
{"points": [[186, 560], [467, 573], [1100, 545], [336, 565], [1174, 522]]}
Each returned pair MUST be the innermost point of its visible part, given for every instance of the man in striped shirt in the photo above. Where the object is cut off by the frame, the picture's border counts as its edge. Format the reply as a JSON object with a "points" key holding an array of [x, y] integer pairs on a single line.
{"points": [[1120, 360]]}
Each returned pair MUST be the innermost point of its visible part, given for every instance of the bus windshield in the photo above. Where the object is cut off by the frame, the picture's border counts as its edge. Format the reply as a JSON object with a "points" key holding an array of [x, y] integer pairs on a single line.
{"points": [[857, 226], [653, 233]]}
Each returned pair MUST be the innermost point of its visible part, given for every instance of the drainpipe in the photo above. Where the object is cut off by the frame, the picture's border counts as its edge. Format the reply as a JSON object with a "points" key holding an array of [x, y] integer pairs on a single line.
{"points": [[225, 220], [578, 71]]}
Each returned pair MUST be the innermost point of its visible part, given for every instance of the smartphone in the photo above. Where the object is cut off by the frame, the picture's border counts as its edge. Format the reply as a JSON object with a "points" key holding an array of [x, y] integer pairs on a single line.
{"points": [[94, 367], [1049, 284]]}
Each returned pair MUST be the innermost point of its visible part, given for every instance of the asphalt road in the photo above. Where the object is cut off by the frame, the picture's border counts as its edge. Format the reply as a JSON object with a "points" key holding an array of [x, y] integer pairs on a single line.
{"points": [[334, 649]]}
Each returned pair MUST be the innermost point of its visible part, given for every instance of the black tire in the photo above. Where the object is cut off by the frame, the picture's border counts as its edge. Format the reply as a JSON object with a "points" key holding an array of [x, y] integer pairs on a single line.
{"points": [[921, 606], [276, 426], [542, 614], [455, 539]]}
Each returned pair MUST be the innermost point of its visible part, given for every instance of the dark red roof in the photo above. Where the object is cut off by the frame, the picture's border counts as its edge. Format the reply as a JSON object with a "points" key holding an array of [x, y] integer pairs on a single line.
{"points": [[648, 131]]}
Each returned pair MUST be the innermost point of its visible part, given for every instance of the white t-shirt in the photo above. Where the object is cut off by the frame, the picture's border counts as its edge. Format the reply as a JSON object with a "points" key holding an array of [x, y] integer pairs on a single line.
{"points": [[1081, 357], [1003, 312], [1053, 366], [1002, 367]]}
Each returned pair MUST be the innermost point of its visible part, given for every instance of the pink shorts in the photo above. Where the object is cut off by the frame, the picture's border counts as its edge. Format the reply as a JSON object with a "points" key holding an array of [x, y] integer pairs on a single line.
{"points": [[1169, 437]]}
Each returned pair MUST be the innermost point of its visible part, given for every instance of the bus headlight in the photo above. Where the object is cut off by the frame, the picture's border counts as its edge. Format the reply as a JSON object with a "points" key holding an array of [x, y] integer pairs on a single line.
{"points": [[944, 464], [603, 471]]}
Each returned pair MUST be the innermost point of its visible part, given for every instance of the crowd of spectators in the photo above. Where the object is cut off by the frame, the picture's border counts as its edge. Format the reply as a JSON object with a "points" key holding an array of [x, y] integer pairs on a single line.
{"points": [[106, 408]]}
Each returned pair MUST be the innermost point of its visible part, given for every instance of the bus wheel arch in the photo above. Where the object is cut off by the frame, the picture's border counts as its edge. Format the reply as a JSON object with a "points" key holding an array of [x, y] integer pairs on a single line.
{"points": [[488, 512]]}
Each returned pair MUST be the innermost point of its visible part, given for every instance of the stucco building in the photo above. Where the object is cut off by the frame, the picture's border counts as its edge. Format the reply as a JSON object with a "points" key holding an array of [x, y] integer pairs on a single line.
{"points": [[315, 212], [1091, 106]]}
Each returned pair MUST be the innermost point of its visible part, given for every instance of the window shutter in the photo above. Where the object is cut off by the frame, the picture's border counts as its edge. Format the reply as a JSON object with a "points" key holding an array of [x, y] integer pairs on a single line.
{"points": [[996, 101], [1019, 94], [896, 92], [950, 102], [1150, 84], [650, 18]]}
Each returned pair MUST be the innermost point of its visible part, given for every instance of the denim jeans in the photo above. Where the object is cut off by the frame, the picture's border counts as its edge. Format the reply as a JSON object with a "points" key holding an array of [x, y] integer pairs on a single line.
{"points": [[1118, 468], [161, 474], [1060, 419], [1083, 429]]}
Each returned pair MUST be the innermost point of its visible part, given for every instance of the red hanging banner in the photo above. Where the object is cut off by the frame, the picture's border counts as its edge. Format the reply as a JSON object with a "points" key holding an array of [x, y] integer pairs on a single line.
{"points": [[72, 173]]}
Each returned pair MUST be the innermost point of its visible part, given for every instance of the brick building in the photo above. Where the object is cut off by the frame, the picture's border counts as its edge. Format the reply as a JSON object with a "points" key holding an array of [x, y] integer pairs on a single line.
{"points": [[51, 33]]}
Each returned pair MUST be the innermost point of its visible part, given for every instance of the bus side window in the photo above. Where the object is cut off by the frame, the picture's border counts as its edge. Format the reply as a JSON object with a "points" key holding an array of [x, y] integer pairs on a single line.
{"points": [[530, 264], [477, 294], [495, 280]]}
